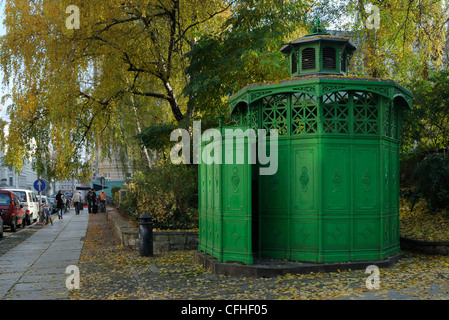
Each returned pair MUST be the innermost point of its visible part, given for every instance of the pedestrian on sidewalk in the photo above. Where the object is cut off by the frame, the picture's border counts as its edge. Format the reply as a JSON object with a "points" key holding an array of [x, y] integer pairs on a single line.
{"points": [[77, 200], [91, 198], [67, 203], [60, 204], [103, 201]]}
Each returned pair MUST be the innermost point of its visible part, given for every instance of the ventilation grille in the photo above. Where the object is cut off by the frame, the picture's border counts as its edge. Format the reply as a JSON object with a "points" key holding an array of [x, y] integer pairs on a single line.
{"points": [[308, 59], [329, 61]]}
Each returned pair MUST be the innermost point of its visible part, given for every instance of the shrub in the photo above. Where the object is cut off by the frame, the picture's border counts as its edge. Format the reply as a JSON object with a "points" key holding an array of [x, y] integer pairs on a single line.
{"points": [[432, 182], [168, 193], [114, 190], [114, 194]]}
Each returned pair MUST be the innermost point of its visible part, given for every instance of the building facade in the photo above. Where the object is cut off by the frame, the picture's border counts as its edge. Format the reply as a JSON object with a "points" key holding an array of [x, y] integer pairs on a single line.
{"points": [[24, 180], [112, 172]]}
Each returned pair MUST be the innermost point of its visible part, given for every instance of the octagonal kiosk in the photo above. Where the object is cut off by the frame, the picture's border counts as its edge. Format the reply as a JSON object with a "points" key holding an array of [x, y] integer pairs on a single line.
{"points": [[335, 194]]}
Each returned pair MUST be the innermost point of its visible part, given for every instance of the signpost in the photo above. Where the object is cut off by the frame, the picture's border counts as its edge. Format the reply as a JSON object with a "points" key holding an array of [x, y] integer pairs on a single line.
{"points": [[102, 179], [39, 185]]}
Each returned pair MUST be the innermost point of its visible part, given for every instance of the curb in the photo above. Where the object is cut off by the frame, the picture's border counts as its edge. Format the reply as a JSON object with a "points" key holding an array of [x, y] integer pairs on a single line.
{"points": [[427, 247], [127, 236], [162, 240], [271, 268]]}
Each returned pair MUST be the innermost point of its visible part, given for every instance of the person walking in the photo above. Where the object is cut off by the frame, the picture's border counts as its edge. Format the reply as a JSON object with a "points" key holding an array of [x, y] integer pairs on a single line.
{"points": [[103, 201], [60, 204], [67, 203], [91, 198], [77, 200]]}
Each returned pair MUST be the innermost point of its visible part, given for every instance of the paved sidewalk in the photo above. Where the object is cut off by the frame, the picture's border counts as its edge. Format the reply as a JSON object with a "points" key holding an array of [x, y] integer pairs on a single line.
{"points": [[35, 269]]}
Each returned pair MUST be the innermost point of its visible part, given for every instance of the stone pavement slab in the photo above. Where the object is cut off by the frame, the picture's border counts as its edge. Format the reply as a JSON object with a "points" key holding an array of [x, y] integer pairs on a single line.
{"points": [[35, 269]]}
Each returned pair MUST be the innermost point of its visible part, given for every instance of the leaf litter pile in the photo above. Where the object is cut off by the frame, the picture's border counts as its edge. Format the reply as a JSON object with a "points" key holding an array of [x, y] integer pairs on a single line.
{"points": [[108, 271], [419, 224]]}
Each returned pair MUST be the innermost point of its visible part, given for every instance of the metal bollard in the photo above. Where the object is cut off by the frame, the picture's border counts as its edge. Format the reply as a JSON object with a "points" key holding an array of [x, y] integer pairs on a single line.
{"points": [[145, 235]]}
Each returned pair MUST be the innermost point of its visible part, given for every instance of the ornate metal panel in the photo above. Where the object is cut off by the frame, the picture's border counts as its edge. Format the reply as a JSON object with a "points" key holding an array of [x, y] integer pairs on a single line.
{"points": [[304, 239], [366, 233], [225, 206], [366, 113], [336, 113], [275, 113], [236, 204], [366, 179], [304, 178], [335, 180], [304, 113]]}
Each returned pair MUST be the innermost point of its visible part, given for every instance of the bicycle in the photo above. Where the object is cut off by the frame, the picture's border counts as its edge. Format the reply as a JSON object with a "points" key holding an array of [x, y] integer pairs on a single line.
{"points": [[47, 216]]}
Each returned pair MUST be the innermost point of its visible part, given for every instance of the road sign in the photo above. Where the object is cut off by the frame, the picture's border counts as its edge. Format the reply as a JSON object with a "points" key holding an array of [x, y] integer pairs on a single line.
{"points": [[39, 185]]}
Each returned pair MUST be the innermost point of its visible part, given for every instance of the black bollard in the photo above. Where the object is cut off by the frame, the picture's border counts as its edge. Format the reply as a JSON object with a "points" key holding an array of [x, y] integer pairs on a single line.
{"points": [[145, 235]]}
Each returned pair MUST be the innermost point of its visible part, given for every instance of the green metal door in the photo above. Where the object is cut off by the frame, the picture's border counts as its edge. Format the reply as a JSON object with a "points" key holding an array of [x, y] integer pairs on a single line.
{"points": [[225, 199]]}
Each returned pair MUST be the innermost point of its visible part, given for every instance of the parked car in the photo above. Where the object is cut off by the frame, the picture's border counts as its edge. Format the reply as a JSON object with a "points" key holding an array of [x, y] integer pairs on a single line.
{"points": [[52, 204], [11, 210], [29, 201]]}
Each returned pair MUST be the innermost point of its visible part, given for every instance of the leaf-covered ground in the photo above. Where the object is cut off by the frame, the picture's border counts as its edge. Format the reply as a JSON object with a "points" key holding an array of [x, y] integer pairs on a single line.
{"points": [[419, 224], [108, 271]]}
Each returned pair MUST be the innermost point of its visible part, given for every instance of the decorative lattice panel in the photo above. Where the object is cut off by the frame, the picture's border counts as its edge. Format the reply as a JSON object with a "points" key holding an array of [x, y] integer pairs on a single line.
{"points": [[366, 113], [275, 113], [386, 119], [336, 113], [304, 113], [393, 121], [235, 118], [252, 117]]}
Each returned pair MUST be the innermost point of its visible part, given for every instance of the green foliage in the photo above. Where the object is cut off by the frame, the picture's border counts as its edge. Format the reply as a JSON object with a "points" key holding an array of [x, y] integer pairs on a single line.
{"points": [[115, 193], [156, 137], [406, 44], [243, 52], [114, 190], [427, 125], [168, 193], [432, 182], [74, 92]]}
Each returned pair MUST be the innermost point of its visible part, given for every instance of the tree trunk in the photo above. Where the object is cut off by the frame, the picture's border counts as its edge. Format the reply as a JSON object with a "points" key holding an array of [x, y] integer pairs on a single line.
{"points": [[139, 131], [175, 107]]}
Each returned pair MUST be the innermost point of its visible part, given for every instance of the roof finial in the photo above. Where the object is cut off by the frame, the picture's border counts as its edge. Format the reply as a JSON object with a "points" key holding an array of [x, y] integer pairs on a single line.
{"points": [[318, 28]]}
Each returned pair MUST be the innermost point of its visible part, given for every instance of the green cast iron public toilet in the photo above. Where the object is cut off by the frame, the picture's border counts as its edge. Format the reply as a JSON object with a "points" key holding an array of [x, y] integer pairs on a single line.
{"points": [[335, 195]]}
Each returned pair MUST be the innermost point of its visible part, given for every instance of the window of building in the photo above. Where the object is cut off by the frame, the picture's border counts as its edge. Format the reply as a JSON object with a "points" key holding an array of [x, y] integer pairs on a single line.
{"points": [[329, 58], [308, 59]]}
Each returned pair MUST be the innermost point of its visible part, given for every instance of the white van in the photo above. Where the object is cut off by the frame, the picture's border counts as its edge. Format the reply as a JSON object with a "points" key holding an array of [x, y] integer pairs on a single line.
{"points": [[29, 201]]}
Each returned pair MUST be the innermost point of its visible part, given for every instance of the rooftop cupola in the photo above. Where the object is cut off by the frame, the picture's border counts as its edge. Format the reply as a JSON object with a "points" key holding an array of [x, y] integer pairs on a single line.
{"points": [[318, 53]]}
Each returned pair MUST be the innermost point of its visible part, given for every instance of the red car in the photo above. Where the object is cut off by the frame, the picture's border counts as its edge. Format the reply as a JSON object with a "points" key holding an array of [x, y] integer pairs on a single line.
{"points": [[11, 210]]}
